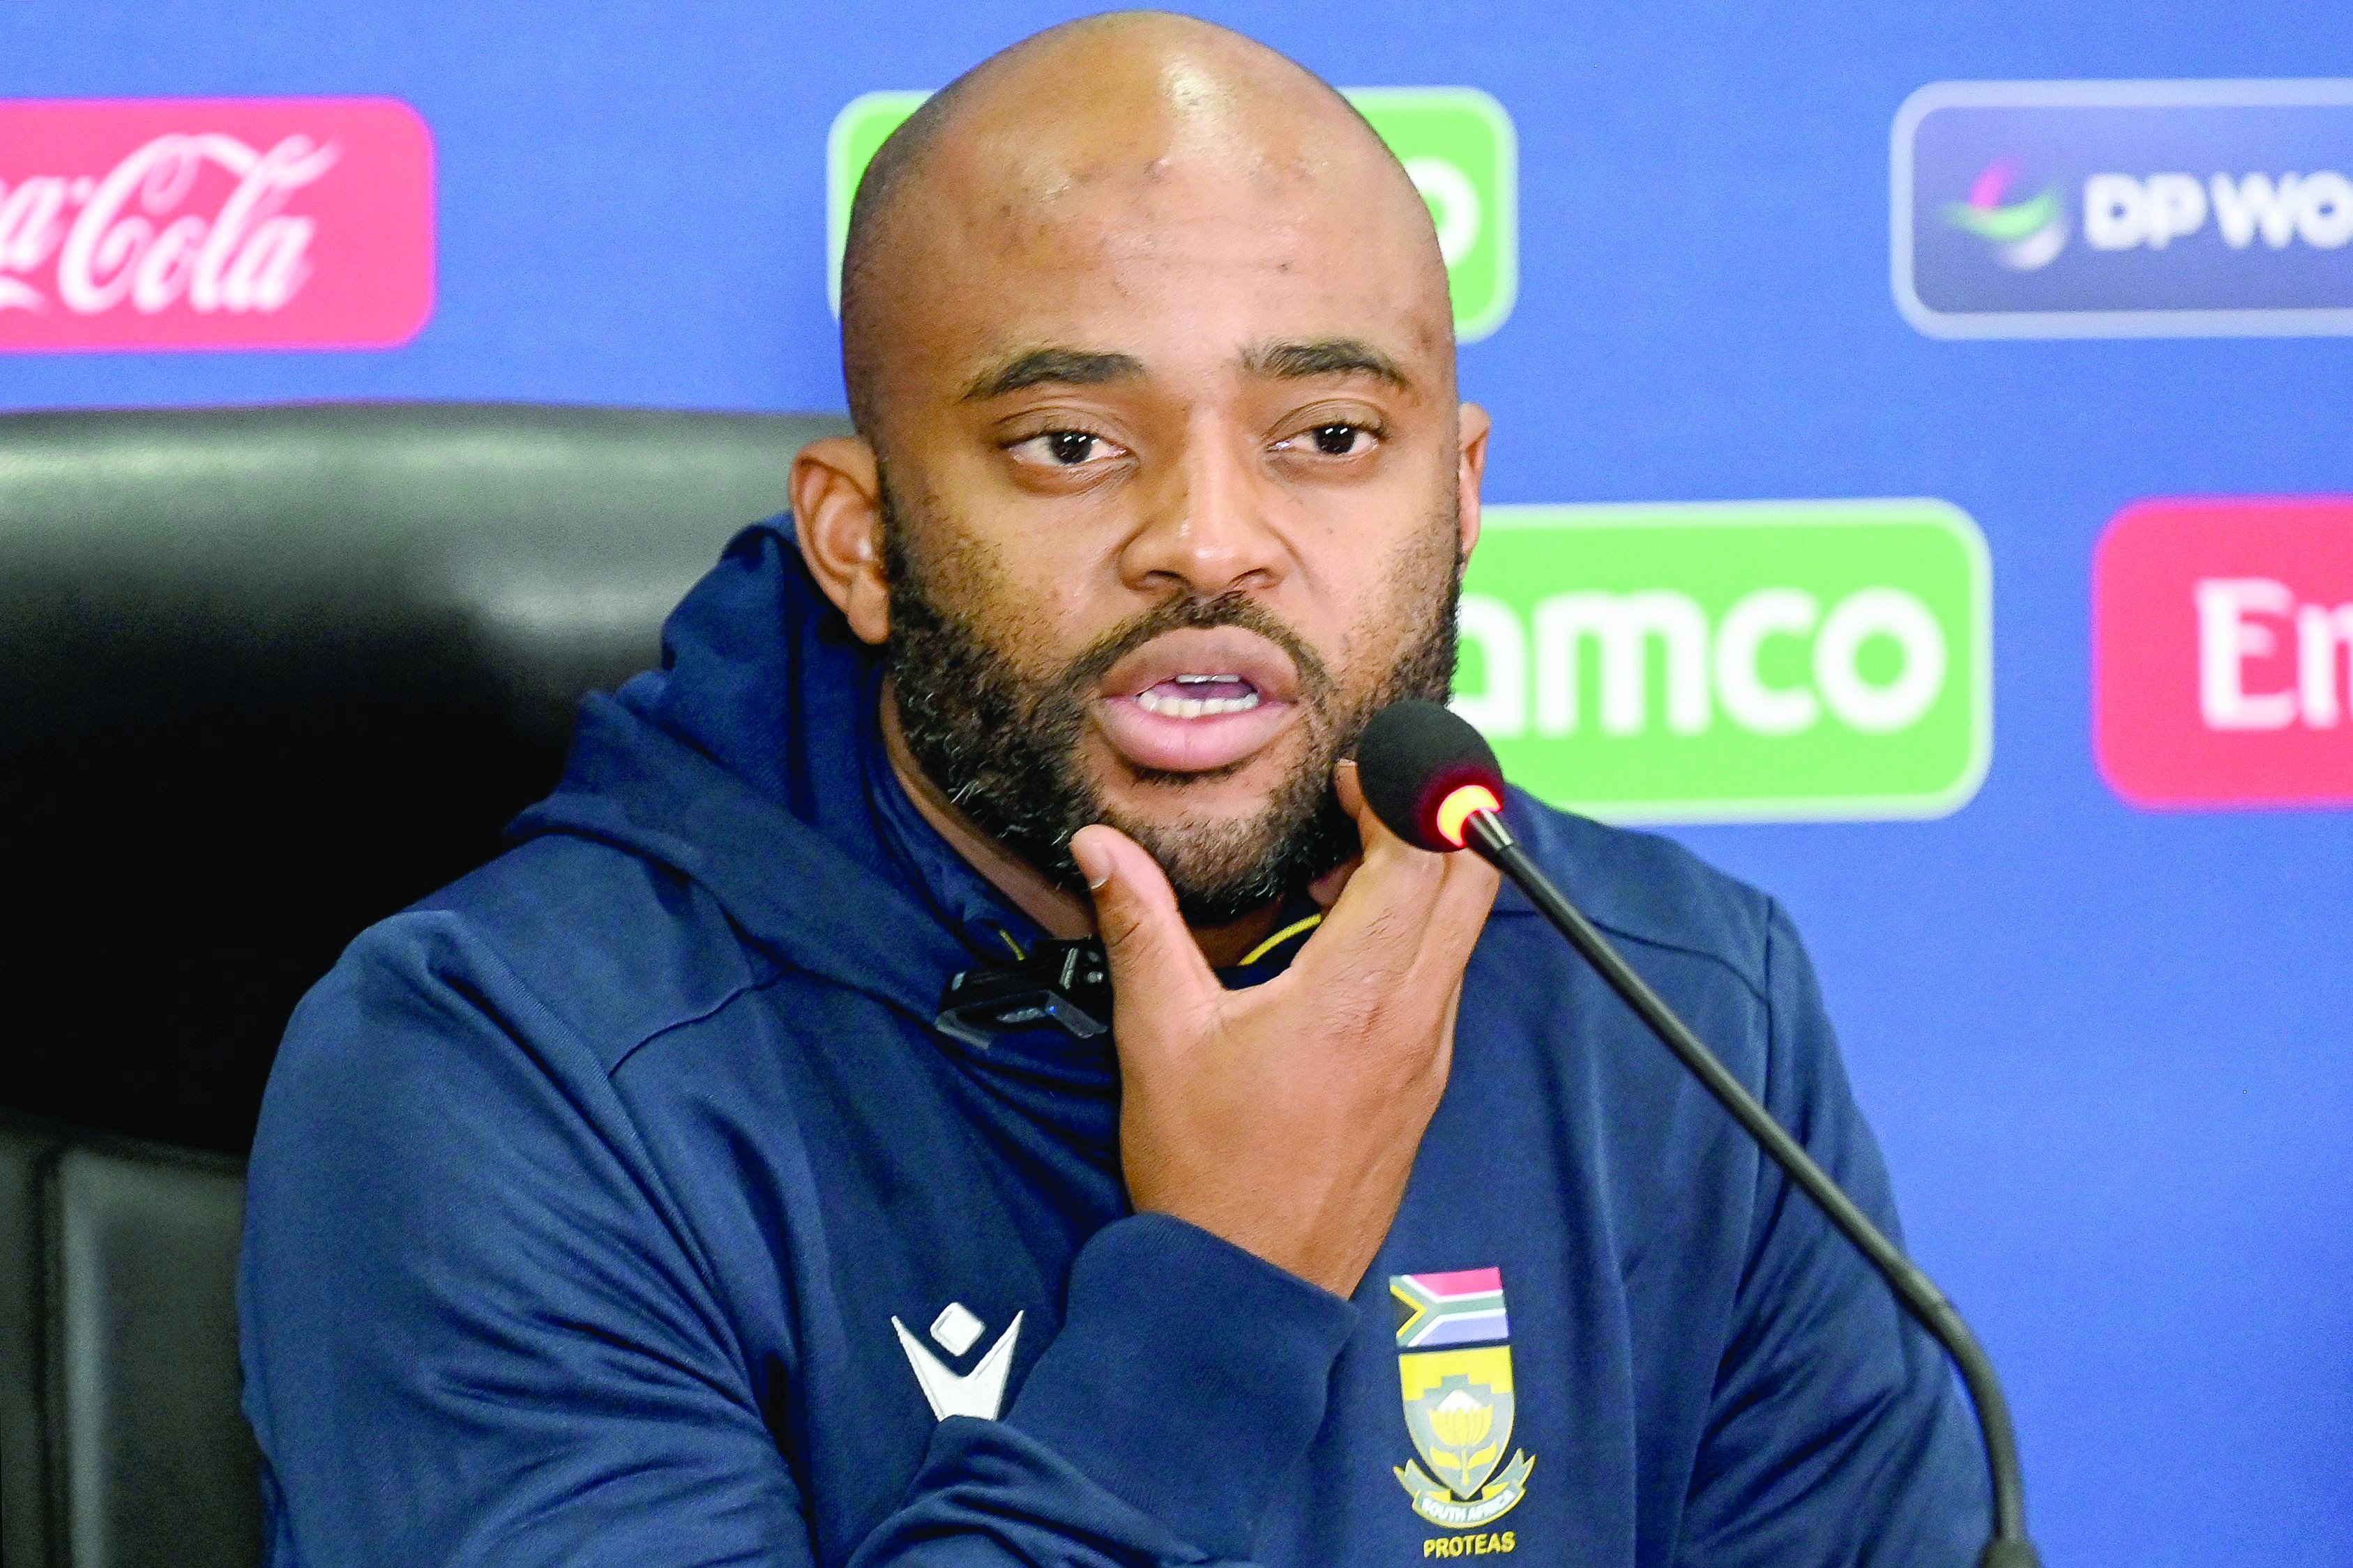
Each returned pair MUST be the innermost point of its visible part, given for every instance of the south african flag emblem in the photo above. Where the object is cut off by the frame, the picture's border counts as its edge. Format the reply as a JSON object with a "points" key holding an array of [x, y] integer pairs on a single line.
{"points": [[1455, 1364]]}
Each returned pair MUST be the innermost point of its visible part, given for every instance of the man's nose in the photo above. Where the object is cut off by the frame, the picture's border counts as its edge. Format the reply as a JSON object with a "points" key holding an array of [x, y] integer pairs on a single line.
{"points": [[1208, 527]]}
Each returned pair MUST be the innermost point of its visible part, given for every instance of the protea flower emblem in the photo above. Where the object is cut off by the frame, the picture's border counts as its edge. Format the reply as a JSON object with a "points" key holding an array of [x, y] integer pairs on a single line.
{"points": [[1459, 1420]]}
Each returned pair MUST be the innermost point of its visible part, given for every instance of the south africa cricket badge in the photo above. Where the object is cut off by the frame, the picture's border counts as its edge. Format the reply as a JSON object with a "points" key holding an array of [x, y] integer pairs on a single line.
{"points": [[1454, 1361]]}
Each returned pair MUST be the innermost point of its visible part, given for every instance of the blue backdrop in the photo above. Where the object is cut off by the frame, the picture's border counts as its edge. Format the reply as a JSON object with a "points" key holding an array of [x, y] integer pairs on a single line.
{"points": [[2105, 1048]]}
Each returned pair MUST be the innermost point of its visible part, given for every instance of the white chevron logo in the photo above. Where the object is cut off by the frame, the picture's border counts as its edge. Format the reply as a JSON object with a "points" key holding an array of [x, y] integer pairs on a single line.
{"points": [[981, 1391]]}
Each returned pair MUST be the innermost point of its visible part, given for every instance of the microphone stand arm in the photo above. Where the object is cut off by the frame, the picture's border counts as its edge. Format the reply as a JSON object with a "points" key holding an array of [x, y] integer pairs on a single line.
{"points": [[2009, 1547]]}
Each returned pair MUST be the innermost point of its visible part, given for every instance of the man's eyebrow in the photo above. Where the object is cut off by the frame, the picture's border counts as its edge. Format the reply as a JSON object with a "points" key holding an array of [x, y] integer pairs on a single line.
{"points": [[1325, 357], [1038, 367]]}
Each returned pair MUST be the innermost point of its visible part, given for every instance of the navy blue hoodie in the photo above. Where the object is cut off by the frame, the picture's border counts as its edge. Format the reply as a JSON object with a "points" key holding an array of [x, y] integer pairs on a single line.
{"points": [[621, 1205]]}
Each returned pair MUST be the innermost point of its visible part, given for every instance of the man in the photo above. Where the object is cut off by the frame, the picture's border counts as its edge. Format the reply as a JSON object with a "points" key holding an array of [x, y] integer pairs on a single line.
{"points": [[627, 1203]]}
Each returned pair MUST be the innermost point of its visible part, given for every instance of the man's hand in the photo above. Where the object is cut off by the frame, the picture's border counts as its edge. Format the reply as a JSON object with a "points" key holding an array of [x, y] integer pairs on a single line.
{"points": [[1286, 1116]]}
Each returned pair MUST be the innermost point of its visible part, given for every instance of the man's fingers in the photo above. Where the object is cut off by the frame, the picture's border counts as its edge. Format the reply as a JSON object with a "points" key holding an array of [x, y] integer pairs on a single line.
{"points": [[1459, 913], [1379, 842], [1325, 889], [1373, 930], [1403, 911], [1349, 788], [1154, 962]]}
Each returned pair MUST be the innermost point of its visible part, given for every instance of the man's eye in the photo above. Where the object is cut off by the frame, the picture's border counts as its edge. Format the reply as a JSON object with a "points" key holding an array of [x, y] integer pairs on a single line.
{"points": [[1063, 448], [1339, 439]]}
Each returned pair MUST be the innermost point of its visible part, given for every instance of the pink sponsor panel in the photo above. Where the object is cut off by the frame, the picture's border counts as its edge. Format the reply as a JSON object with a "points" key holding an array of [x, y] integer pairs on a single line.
{"points": [[2223, 652], [214, 224]]}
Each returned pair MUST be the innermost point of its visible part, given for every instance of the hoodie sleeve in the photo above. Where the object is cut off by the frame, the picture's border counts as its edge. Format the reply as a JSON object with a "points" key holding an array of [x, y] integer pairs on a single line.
{"points": [[468, 1336], [473, 1334], [1840, 1435], [1151, 1429]]}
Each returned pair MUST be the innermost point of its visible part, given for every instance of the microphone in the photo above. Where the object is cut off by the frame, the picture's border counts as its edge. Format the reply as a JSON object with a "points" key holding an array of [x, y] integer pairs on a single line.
{"points": [[1433, 781]]}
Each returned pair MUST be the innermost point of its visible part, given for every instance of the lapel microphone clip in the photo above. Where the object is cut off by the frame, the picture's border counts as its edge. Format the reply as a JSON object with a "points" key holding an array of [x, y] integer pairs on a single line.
{"points": [[1064, 984]]}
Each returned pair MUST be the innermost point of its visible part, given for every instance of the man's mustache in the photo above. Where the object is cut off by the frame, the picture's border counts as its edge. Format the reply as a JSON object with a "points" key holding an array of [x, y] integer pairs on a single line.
{"points": [[1190, 612]]}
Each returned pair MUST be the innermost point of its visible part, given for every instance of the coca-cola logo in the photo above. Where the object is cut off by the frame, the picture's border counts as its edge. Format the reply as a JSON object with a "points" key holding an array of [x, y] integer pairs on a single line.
{"points": [[169, 222]]}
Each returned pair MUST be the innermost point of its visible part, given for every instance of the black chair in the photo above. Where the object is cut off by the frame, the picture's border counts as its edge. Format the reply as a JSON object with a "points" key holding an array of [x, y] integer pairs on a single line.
{"points": [[271, 675]]}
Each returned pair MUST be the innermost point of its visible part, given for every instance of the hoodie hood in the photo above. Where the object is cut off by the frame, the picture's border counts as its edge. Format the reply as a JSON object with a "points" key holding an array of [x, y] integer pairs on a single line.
{"points": [[752, 762]]}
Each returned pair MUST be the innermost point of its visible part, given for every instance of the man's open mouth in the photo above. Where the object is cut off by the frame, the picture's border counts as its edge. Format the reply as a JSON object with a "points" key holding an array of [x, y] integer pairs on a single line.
{"points": [[1198, 696], [1196, 700]]}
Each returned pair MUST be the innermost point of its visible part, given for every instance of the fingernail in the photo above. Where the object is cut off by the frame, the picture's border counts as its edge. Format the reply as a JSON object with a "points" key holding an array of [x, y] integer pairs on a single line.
{"points": [[1093, 865]]}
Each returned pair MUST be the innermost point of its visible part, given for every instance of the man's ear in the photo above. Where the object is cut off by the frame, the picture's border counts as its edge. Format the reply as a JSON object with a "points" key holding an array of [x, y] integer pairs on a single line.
{"points": [[1471, 440], [838, 518]]}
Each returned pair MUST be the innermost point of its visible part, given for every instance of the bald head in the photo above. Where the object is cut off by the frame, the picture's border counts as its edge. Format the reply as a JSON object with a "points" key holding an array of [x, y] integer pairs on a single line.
{"points": [[1101, 146]]}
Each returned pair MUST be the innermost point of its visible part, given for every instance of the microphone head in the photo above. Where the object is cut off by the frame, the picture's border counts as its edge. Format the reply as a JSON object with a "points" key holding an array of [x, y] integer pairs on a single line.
{"points": [[1424, 770]]}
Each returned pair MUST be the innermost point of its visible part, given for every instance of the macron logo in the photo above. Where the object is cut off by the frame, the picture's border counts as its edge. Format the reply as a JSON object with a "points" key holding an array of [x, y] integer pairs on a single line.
{"points": [[979, 1392]]}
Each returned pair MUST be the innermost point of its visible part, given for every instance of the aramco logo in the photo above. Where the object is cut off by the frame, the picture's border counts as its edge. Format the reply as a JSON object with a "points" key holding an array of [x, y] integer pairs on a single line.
{"points": [[1732, 661], [2026, 235]]}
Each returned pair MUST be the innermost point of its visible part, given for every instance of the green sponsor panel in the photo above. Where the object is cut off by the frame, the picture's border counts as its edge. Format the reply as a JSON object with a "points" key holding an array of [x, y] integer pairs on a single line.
{"points": [[858, 131], [1459, 145], [1733, 662], [1456, 142]]}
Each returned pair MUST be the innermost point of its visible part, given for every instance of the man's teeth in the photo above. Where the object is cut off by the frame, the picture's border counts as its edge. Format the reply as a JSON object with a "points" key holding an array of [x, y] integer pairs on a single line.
{"points": [[1155, 700]]}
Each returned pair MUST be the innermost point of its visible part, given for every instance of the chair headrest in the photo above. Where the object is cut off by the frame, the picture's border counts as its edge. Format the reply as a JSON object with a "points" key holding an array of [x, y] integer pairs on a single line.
{"points": [[273, 673]]}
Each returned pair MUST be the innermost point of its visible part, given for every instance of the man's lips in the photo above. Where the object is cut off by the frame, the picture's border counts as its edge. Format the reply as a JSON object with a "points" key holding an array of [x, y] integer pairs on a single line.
{"points": [[1197, 700], [1228, 651]]}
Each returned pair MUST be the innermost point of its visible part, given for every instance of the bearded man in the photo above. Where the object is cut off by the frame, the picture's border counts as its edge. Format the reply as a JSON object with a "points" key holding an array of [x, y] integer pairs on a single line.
{"points": [[645, 1198]]}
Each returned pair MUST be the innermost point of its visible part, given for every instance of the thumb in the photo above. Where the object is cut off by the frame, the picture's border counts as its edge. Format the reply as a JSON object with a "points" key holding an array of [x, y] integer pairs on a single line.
{"points": [[1154, 962]]}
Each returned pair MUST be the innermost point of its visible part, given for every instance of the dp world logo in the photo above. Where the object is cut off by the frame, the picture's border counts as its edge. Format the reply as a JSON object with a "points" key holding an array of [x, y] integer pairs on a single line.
{"points": [[1754, 661], [1456, 142], [2025, 235], [2054, 209]]}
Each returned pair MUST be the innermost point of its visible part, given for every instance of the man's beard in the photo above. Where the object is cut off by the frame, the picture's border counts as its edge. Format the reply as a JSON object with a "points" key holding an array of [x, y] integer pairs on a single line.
{"points": [[1005, 748]]}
